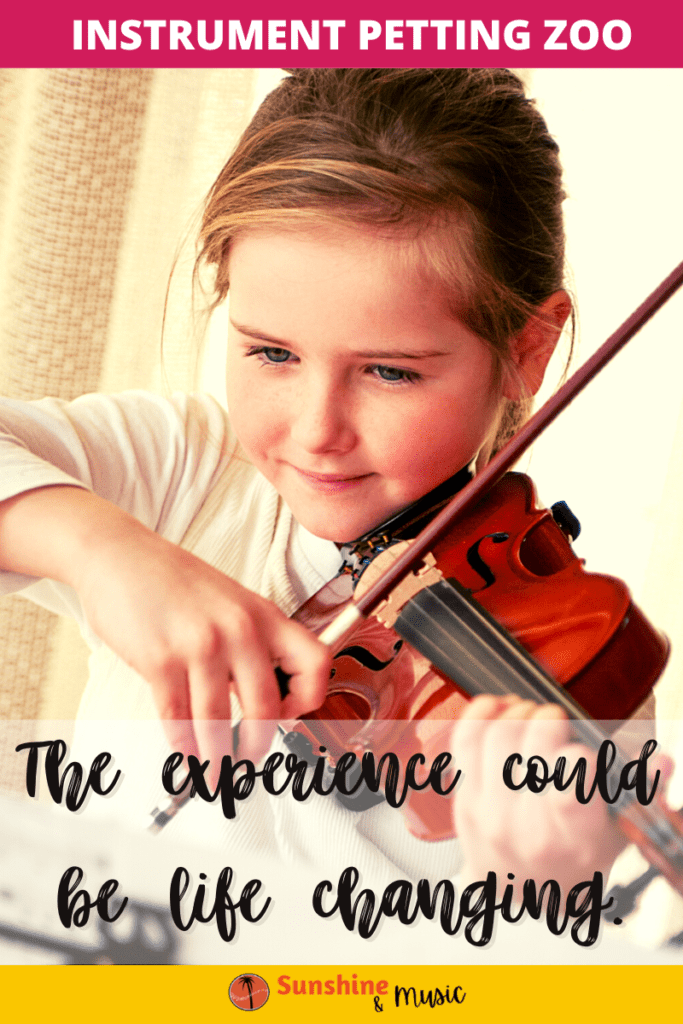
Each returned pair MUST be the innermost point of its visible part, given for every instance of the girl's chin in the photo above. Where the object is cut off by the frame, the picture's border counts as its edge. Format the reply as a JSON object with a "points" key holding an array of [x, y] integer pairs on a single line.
{"points": [[338, 535], [339, 529]]}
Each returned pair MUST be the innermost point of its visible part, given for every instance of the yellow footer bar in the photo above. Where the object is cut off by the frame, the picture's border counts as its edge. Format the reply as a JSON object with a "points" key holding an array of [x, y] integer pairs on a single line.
{"points": [[504, 995]]}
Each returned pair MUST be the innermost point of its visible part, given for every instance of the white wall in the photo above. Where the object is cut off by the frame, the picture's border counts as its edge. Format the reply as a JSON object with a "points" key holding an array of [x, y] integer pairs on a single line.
{"points": [[614, 456]]}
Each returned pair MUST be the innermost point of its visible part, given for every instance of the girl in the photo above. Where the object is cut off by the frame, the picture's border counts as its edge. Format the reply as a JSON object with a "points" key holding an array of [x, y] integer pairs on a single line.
{"points": [[393, 246]]}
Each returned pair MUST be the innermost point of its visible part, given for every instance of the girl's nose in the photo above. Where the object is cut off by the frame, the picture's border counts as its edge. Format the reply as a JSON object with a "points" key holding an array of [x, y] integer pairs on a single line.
{"points": [[321, 421]]}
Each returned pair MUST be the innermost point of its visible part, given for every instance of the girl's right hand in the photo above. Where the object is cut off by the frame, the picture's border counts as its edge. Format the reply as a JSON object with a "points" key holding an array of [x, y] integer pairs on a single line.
{"points": [[191, 632], [196, 636]]}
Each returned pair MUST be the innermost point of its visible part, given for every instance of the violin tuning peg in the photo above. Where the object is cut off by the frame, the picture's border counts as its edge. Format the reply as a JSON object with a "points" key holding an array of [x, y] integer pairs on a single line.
{"points": [[565, 519]]}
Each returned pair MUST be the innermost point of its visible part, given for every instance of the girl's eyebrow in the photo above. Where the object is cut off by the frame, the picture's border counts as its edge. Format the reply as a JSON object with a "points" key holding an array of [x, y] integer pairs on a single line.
{"points": [[384, 354], [252, 332]]}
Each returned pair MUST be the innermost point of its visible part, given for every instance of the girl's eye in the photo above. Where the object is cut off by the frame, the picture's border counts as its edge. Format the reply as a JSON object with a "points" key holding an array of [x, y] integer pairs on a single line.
{"points": [[271, 354], [276, 355], [394, 375]]}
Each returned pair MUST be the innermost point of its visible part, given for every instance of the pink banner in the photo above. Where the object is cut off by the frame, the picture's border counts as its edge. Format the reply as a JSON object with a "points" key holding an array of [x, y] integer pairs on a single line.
{"points": [[211, 33]]}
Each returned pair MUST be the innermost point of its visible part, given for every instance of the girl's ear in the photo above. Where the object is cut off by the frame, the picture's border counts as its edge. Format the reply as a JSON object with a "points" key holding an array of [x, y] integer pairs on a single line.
{"points": [[531, 349]]}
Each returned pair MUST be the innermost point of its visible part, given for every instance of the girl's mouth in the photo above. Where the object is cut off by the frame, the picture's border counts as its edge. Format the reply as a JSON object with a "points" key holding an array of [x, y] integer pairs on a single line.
{"points": [[331, 482]]}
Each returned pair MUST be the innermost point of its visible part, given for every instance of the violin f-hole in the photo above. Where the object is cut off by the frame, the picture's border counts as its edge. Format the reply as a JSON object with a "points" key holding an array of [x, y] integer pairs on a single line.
{"points": [[477, 563], [366, 658]]}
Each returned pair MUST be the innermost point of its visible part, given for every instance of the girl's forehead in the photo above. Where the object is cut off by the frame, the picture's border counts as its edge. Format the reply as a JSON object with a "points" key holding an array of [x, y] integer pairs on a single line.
{"points": [[341, 292], [345, 264], [431, 258]]}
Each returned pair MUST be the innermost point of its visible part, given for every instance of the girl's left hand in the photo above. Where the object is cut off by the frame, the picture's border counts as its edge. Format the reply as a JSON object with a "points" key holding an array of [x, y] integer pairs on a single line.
{"points": [[532, 835]]}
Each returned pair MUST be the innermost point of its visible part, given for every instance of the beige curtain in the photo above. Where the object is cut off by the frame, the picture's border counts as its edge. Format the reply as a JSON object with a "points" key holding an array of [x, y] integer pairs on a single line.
{"points": [[101, 173]]}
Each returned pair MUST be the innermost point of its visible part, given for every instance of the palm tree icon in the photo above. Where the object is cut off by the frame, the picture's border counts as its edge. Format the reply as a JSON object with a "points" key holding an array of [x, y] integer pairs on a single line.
{"points": [[249, 991], [247, 982]]}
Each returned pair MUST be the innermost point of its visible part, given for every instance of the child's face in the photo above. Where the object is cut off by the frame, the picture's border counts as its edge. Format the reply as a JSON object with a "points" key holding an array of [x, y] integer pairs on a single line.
{"points": [[350, 386]]}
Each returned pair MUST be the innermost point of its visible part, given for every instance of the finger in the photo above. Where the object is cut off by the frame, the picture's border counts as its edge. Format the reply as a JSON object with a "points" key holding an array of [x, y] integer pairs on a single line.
{"points": [[171, 695], [665, 765], [486, 707], [258, 692], [254, 682], [255, 738], [585, 834], [469, 733], [504, 737], [215, 740], [585, 831], [307, 662], [519, 710], [210, 690], [546, 731], [180, 735]]}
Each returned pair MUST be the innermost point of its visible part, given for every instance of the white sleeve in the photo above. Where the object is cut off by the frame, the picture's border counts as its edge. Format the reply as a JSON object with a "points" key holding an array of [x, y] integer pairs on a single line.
{"points": [[155, 458]]}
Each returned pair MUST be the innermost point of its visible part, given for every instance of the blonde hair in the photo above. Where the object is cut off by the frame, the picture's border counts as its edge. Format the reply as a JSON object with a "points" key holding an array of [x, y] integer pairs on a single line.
{"points": [[457, 159]]}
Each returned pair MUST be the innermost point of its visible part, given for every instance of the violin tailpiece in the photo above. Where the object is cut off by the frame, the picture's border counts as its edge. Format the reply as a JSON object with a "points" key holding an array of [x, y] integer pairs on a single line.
{"points": [[425, 575]]}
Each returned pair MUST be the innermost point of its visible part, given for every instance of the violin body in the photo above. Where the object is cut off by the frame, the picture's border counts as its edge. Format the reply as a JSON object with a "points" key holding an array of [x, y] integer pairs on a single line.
{"points": [[518, 564], [582, 627]]}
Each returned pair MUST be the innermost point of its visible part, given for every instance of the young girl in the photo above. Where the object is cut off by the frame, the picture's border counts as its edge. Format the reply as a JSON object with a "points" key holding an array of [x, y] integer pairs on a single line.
{"points": [[393, 247]]}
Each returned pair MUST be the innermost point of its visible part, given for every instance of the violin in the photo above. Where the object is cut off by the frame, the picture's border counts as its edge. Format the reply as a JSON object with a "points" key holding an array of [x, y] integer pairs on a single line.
{"points": [[488, 598], [503, 606]]}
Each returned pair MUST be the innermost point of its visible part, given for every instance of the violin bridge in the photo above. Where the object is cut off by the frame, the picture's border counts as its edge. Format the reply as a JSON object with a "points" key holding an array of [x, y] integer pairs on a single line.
{"points": [[425, 575]]}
